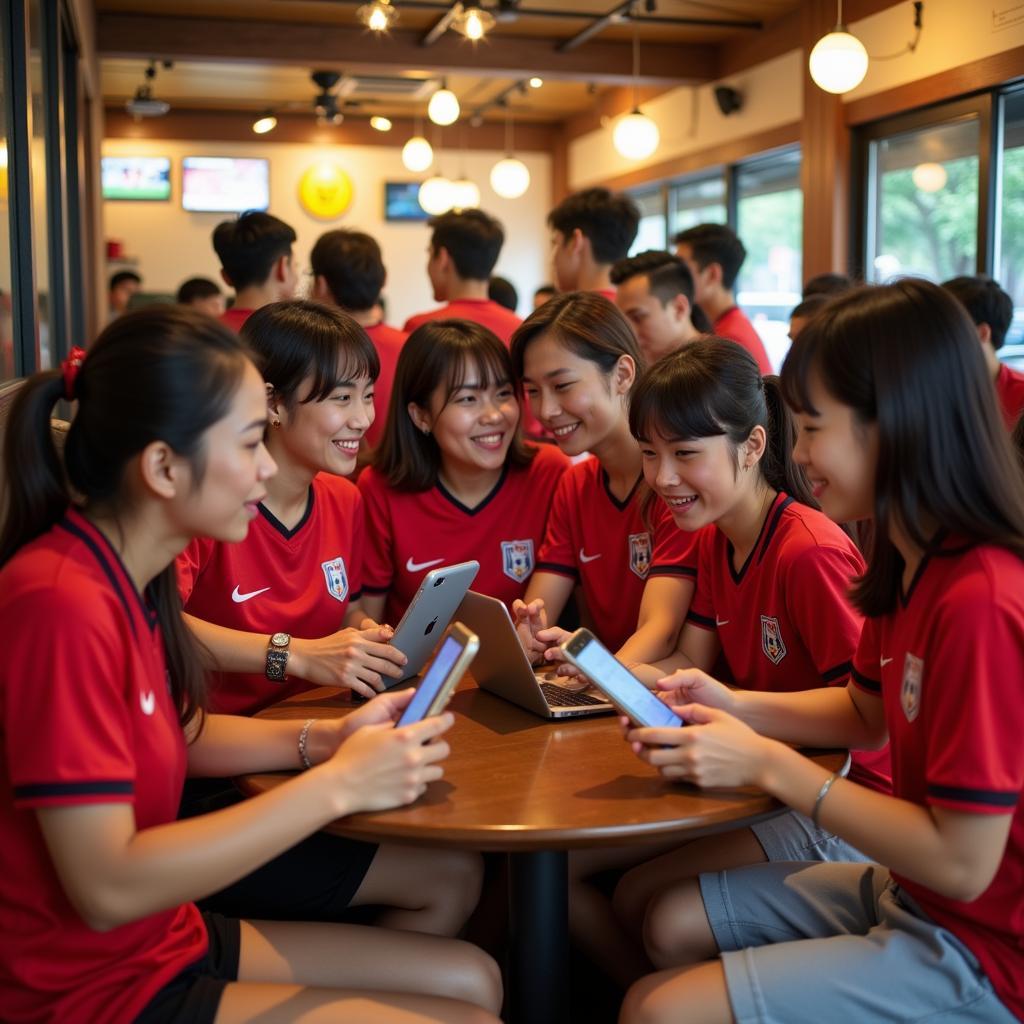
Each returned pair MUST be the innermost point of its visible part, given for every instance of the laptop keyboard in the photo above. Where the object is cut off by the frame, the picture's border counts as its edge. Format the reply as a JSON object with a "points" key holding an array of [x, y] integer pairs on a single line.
{"points": [[560, 697]]}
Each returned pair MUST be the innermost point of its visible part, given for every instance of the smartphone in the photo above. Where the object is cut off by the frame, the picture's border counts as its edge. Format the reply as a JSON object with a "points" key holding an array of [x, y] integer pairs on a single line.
{"points": [[456, 651], [616, 682]]}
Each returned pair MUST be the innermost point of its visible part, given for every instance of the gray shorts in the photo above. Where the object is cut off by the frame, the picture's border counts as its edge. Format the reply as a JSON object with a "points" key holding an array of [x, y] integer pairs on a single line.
{"points": [[806, 943], [793, 836]]}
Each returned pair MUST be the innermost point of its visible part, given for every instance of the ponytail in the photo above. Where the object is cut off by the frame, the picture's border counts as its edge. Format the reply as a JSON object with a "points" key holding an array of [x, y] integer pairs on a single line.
{"points": [[714, 387], [37, 489]]}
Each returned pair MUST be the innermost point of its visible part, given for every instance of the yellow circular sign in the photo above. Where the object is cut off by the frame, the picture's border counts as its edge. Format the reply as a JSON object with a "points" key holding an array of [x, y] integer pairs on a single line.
{"points": [[325, 191]]}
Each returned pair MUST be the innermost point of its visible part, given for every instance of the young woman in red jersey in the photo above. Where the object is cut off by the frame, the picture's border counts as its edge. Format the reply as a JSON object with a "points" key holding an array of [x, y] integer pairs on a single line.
{"points": [[772, 579], [101, 717], [298, 573], [578, 360], [452, 479], [897, 425]]}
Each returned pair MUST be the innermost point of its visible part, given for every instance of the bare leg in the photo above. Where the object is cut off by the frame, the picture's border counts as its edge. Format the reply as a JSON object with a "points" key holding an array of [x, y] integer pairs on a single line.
{"points": [[593, 924], [640, 886], [676, 931], [287, 969], [693, 995], [428, 891]]}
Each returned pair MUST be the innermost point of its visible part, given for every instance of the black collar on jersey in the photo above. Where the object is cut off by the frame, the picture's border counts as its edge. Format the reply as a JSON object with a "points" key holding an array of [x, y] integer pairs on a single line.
{"points": [[624, 504], [279, 526], [935, 549], [104, 560], [764, 538], [445, 493]]}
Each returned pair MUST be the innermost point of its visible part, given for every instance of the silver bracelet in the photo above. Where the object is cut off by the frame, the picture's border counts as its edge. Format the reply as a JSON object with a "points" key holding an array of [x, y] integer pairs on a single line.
{"points": [[303, 736], [822, 793]]}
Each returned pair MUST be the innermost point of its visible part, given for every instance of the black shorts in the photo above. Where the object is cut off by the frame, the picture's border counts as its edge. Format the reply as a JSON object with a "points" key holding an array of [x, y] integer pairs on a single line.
{"points": [[315, 880], [194, 995]]}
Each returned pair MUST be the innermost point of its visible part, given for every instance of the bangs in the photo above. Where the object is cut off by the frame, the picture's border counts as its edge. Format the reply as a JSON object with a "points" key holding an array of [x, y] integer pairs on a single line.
{"points": [[674, 401], [484, 365], [335, 361]]}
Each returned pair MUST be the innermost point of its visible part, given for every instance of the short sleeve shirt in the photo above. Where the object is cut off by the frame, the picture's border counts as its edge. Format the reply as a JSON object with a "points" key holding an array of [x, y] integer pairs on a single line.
{"points": [[410, 532], [297, 581], [490, 314], [86, 717], [735, 325], [605, 545], [948, 664], [1010, 391], [388, 342]]}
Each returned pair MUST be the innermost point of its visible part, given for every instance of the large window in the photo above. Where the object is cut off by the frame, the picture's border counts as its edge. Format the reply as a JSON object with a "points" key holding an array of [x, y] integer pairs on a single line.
{"points": [[651, 233], [1009, 268], [40, 198], [696, 201]]}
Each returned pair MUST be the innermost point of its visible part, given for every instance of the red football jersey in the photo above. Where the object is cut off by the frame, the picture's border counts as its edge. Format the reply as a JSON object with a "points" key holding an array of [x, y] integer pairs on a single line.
{"points": [[1010, 391], [784, 620], [736, 326], [388, 342], [604, 545], [86, 717], [234, 318], [948, 664], [295, 581], [487, 312], [408, 533]]}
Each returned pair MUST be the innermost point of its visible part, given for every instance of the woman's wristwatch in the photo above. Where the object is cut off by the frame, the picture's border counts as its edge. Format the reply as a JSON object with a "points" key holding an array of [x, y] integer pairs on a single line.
{"points": [[277, 657]]}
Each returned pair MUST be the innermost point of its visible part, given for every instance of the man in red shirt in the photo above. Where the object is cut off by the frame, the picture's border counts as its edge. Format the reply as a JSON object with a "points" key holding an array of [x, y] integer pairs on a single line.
{"points": [[654, 291], [255, 253], [991, 309], [714, 254], [463, 250], [591, 230], [348, 272]]}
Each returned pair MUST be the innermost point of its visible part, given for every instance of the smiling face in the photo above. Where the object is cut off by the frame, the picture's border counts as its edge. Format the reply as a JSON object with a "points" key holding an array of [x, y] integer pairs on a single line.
{"points": [[571, 396], [237, 466], [475, 424], [323, 436], [839, 455]]}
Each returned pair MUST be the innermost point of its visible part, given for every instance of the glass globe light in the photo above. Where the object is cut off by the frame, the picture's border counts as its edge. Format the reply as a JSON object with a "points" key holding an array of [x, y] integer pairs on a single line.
{"points": [[436, 195], [443, 107], [636, 136], [929, 177], [465, 195], [838, 62], [417, 154], [510, 178]]}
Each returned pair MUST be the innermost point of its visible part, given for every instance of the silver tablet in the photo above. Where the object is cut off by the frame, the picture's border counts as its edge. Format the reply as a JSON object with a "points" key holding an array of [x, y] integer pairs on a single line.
{"points": [[430, 612]]}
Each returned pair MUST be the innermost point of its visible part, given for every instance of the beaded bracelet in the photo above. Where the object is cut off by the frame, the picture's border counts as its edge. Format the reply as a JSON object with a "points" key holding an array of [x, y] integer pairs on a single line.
{"points": [[303, 736]]}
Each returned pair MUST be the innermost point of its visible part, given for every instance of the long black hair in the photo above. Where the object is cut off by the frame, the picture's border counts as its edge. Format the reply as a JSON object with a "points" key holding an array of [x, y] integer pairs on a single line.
{"points": [[714, 387], [906, 358], [162, 373]]}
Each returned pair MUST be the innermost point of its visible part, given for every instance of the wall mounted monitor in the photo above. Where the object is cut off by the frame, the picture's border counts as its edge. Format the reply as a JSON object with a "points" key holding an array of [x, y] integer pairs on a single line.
{"points": [[401, 201], [224, 184], [136, 177]]}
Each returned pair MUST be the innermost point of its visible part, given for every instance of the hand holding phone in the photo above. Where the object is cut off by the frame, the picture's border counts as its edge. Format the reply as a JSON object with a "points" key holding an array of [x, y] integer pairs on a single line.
{"points": [[457, 650], [616, 682]]}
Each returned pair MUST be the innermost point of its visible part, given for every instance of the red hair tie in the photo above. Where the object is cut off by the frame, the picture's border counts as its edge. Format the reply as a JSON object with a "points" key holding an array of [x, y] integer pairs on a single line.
{"points": [[70, 367]]}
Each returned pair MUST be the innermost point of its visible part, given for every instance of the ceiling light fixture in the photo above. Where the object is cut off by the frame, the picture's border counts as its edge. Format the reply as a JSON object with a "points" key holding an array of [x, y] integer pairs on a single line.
{"points": [[510, 177], [929, 177], [381, 124], [636, 136], [536, 83], [443, 108], [417, 153], [266, 122], [473, 21], [465, 194], [437, 195], [378, 16]]}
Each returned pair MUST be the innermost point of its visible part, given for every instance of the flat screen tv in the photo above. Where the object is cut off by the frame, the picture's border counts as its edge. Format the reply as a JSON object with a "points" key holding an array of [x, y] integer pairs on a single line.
{"points": [[224, 184], [401, 201], [136, 177]]}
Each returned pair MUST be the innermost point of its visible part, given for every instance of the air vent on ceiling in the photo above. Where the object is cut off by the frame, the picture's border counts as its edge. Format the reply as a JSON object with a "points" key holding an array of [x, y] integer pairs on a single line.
{"points": [[371, 86]]}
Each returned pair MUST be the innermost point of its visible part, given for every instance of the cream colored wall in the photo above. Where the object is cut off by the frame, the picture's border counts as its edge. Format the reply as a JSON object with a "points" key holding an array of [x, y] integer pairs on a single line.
{"points": [[689, 120], [172, 244], [955, 32]]}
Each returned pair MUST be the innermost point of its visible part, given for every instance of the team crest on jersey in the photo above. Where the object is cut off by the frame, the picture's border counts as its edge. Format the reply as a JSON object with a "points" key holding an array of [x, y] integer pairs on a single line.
{"points": [[772, 644], [517, 559], [910, 691], [640, 553], [336, 577]]}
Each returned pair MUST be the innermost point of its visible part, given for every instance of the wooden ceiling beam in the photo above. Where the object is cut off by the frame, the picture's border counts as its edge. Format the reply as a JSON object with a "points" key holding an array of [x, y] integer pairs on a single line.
{"points": [[351, 49]]}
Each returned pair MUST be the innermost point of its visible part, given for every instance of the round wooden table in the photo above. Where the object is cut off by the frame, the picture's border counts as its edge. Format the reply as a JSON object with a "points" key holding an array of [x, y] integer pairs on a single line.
{"points": [[536, 789]]}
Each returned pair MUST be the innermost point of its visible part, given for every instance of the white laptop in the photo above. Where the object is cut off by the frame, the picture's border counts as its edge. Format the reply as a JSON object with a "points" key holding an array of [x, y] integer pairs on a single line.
{"points": [[502, 667]]}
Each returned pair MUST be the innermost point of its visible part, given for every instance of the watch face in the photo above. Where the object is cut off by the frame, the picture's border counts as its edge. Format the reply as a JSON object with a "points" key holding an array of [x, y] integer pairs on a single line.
{"points": [[280, 639]]}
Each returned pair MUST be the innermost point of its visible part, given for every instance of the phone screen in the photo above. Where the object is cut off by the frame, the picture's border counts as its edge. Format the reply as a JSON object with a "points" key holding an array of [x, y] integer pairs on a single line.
{"points": [[619, 683], [432, 681]]}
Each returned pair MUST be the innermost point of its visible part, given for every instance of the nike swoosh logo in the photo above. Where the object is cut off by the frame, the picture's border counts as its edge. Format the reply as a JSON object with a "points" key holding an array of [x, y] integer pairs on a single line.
{"points": [[588, 558], [239, 598], [411, 566], [884, 661], [147, 701], [721, 622]]}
